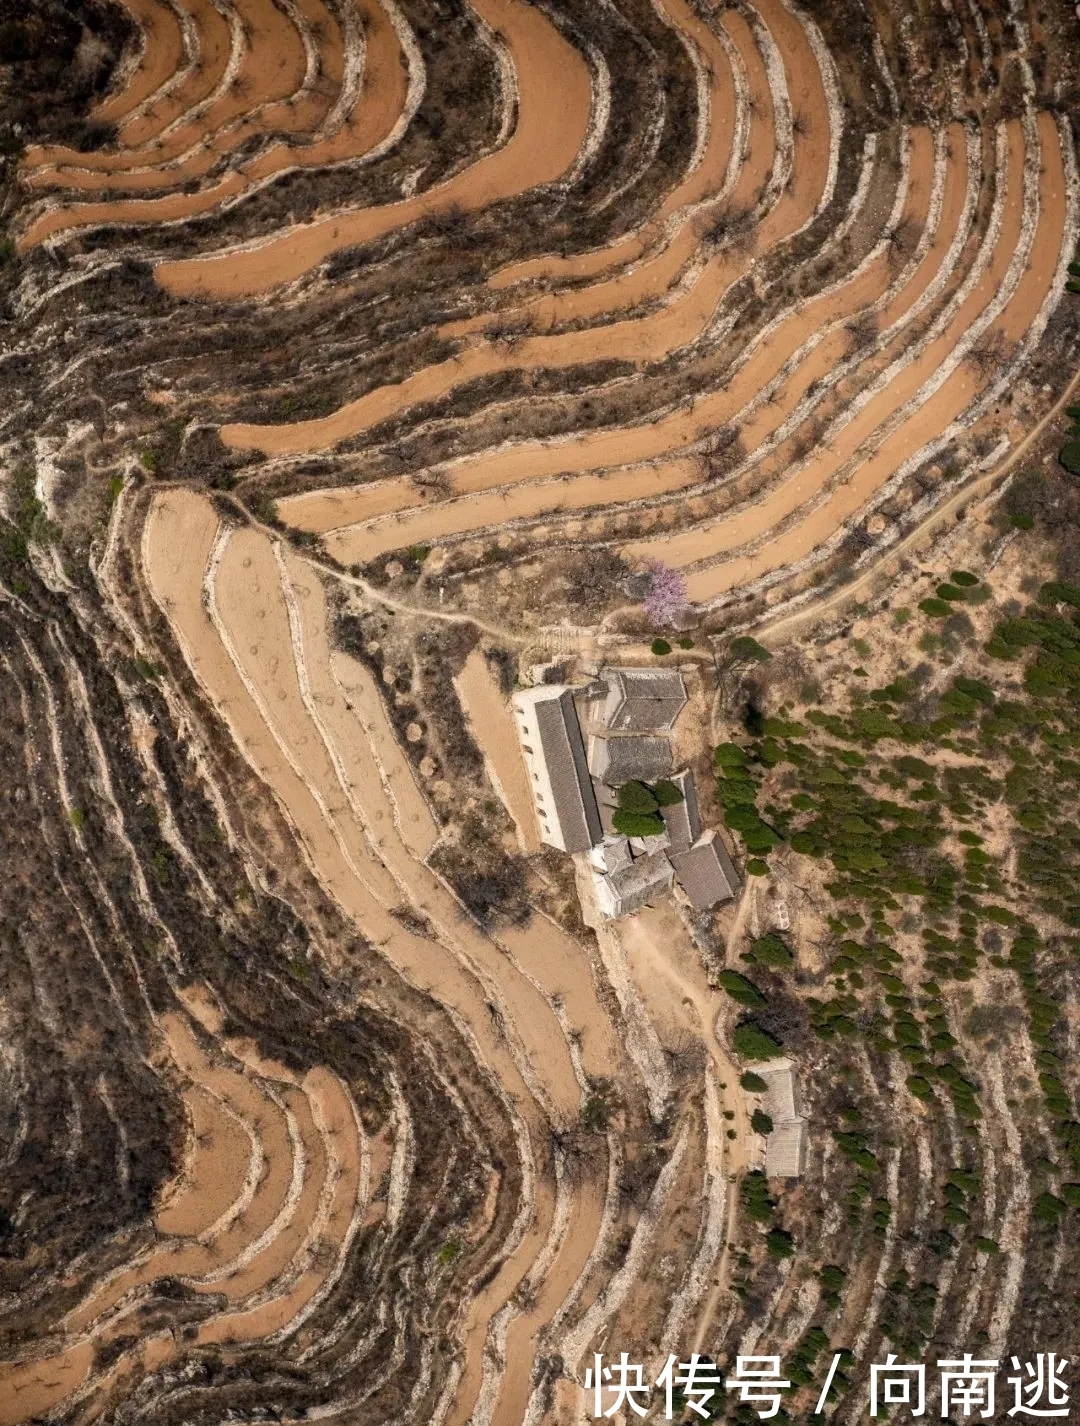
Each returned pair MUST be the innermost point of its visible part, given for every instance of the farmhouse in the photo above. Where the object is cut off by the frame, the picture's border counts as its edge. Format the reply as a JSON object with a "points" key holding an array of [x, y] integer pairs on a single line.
{"points": [[638, 700], [576, 791], [554, 753], [629, 759], [704, 873]]}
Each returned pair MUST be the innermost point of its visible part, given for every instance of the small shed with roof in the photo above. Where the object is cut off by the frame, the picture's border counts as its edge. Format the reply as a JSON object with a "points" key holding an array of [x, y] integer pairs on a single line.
{"points": [[705, 873], [629, 888], [787, 1142]]}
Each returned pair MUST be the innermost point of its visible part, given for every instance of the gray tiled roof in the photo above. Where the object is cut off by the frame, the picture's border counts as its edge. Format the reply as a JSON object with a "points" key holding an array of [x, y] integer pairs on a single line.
{"points": [[636, 759], [635, 885], [779, 1098], [643, 700], [705, 872], [786, 1142], [683, 821], [614, 853], [785, 1150], [564, 754]]}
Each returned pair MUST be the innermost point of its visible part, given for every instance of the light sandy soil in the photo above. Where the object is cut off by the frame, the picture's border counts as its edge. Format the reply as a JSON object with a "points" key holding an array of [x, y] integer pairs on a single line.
{"points": [[671, 980], [34, 1387], [141, 139], [272, 71], [907, 395], [544, 144], [492, 724], [379, 108], [161, 55], [274, 706], [358, 543], [624, 452], [223, 1146], [548, 956]]}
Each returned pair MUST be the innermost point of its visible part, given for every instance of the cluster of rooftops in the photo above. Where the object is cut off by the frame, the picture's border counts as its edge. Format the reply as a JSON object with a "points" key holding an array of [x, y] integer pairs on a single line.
{"points": [[581, 743]]}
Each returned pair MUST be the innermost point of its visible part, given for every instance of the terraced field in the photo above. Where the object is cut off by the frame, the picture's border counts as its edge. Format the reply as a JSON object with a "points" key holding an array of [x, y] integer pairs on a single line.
{"points": [[357, 356]]}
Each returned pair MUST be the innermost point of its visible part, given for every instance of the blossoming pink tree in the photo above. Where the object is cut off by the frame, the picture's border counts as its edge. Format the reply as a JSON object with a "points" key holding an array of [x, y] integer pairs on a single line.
{"points": [[666, 596]]}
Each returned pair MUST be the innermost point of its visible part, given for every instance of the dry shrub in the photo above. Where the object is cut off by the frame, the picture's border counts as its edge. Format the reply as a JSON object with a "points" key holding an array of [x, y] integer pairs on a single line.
{"points": [[724, 452], [989, 354], [861, 332], [903, 239], [733, 227]]}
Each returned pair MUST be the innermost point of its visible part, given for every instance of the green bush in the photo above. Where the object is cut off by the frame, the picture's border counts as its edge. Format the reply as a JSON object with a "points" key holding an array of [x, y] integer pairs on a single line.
{"points": [[760, 1122], [1070, 1192], [636, 797], [936, 608], [752, 1083], [741, 989], [744, 647], [853, 1144], [1023, 522], [780, 1244], [754, 1043], [665, 793], [1059, 591], [660, 646], [637, 824], [1048, 1208], [755, 1196], [756, 867], [949, 592], [770, 950], [964, 578], [986, 1245], [832, 1278], [1070, 457], [730, 755]]}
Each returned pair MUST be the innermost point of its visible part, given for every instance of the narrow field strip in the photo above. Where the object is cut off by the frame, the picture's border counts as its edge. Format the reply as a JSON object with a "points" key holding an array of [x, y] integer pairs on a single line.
{"points": [[805, 331], [492, 724], [161, 54], [266, 93]]}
